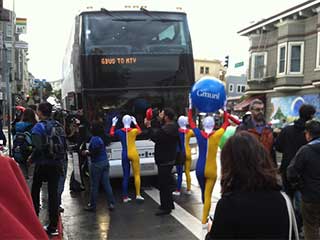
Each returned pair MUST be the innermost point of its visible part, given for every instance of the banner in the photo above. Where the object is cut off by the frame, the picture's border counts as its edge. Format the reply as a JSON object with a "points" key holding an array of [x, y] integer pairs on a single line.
{"points": [[21, 25]]}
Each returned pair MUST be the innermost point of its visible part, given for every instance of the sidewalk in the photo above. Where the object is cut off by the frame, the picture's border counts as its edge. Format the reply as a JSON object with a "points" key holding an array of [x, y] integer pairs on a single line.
{"points": [[44, 215]]}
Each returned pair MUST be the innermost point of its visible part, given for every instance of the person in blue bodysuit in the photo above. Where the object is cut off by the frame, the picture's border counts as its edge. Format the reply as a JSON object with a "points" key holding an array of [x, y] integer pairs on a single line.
{"points": [[127, 137], [206, 168], [184, 134]]}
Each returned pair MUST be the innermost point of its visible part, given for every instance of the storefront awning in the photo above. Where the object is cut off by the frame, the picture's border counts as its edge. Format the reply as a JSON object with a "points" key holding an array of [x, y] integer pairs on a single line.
{"points": [[246, 102]]}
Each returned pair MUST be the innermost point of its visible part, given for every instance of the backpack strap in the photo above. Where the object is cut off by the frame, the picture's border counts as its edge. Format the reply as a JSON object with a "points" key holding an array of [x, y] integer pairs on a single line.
{"points": [[29, 128]]}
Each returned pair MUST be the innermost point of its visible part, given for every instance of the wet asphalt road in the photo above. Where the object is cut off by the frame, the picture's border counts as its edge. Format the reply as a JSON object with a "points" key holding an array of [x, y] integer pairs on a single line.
{"points": [[131, 220]]}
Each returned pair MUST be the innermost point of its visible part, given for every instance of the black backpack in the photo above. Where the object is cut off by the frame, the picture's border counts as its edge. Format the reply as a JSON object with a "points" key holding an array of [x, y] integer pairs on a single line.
{"points": [[55, 141], [22, 146]]}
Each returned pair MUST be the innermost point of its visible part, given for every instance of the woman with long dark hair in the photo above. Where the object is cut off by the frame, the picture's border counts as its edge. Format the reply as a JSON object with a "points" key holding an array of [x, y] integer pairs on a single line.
{"points": [[22, 144], [251, 205], [99, 167]]}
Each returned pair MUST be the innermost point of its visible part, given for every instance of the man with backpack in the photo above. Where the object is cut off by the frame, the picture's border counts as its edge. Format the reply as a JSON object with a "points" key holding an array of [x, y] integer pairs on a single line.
{"points": [[49, 151]]}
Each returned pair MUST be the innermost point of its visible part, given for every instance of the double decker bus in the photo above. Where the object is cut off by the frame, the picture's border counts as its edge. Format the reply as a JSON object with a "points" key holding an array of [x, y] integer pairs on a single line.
{"points": [[123, 62]]}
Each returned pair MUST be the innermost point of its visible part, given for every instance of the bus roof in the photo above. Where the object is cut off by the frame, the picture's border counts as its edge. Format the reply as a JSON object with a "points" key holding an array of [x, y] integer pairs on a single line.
{"points": [[132, 6]]}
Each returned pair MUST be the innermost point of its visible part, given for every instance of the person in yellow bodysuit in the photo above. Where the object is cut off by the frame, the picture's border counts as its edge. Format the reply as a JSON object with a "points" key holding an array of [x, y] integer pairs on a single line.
{"points": [[127, 137]]}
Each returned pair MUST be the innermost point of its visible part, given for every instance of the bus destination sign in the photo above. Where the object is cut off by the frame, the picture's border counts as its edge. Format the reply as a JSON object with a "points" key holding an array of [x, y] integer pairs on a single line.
{"points": [[118, 60]]}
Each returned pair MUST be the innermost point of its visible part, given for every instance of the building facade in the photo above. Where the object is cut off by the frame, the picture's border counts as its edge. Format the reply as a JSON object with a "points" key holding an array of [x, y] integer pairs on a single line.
{"points": [[284, 64], [235, 89], [213, 68], [22, 73], [236, 86], [13, 61]]}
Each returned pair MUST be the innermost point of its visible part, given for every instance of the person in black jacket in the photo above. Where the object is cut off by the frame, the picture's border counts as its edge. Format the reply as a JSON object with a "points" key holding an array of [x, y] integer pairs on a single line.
{"points": [[289, 140], [251, 206], [166, 139], [305, 168]]}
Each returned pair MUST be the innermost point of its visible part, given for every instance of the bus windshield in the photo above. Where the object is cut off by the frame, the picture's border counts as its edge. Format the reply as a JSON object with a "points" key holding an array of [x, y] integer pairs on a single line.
{"points": [[135, 33]]}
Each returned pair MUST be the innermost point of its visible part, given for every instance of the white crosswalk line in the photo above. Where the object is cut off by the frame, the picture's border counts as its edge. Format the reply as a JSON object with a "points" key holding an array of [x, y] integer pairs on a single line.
{"points": [[186, 219]]}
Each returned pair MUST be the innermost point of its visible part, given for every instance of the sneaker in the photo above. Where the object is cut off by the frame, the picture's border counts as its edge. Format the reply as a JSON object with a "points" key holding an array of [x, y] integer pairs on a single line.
{"points": [[61, 209], [111, 207], [126, 199], [51, 231], [176, 193], [188, 192], [205, 226], [139, 198]]}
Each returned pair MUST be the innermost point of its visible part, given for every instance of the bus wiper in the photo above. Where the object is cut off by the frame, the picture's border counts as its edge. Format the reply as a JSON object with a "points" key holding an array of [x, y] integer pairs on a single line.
{"points": [[146, 12], [106, 12]]}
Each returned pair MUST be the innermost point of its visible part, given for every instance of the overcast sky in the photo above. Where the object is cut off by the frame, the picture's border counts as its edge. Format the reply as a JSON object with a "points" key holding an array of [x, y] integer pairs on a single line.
{"points": [[213, 25]]}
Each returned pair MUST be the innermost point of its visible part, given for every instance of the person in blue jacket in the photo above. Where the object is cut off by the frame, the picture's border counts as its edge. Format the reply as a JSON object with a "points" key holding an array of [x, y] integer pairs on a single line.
{"points": [[99, 168]]}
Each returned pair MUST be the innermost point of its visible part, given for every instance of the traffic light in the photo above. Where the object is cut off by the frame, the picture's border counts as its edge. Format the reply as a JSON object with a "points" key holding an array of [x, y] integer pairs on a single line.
{"points": [[226, 61]]}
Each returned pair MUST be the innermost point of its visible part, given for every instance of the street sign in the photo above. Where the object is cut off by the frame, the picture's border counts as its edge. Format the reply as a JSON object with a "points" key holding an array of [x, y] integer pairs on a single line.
{"points": [[239, 64]]}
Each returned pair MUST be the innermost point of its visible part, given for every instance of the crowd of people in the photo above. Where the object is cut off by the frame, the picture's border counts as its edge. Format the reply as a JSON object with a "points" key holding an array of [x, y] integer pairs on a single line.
{"points": [[252, 204]]}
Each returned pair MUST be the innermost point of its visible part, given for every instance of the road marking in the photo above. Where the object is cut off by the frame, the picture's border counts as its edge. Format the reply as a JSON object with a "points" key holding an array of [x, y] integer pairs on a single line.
{"points": [[186, 219]]}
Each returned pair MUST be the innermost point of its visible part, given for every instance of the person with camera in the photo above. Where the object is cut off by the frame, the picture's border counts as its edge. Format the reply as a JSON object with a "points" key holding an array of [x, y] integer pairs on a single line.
{"points": [[163, 131]]}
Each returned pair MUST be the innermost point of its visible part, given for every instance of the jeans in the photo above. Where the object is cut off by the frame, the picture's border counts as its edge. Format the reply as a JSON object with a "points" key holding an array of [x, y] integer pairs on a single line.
{"points": [[179, 173], [62, 180], [311, 220], [51, 174], [99, 173]]}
